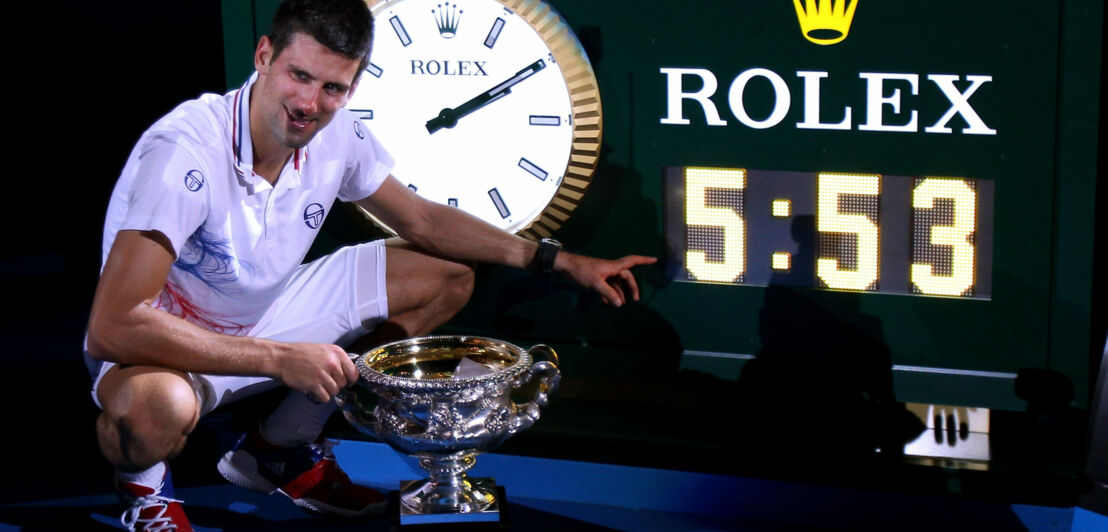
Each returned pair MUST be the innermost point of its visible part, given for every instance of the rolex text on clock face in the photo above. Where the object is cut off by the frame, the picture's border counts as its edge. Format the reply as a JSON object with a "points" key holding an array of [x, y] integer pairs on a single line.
{"points": [[471, 102]]}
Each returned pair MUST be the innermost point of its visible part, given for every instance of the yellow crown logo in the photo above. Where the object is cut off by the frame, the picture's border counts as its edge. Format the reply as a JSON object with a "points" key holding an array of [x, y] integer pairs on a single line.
{"points": [[825, 21]]}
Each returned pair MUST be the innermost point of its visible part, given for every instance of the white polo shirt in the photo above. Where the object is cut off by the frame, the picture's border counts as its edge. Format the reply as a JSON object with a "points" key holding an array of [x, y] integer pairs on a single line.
{"points": [[237, 239]]}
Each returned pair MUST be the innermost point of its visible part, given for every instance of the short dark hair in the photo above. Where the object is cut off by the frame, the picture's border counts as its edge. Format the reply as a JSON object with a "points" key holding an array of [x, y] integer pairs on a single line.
{"points": [[343, 26]]}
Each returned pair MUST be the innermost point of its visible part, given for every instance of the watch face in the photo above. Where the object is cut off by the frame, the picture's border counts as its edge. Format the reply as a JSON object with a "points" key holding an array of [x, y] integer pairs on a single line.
{"points": [[481, 110]]}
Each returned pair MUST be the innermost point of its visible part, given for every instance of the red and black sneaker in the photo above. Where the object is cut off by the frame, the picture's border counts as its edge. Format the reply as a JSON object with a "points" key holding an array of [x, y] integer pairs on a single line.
{"points": [[307, 474], [152, 509]]}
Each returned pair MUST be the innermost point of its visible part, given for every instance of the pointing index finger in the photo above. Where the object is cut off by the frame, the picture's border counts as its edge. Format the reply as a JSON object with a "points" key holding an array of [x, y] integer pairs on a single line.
{"points": [[636, 260]]}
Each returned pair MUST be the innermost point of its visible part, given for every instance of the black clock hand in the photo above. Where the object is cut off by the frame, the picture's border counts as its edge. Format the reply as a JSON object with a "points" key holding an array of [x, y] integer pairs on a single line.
{"points": [[449, 117]]}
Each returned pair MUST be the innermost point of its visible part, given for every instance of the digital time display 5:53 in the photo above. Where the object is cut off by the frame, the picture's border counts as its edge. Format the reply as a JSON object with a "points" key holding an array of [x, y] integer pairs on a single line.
{"points": [[866, 232]]}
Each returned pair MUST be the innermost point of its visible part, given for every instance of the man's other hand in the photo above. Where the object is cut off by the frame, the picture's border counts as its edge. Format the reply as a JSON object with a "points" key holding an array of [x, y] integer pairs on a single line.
{"points": [[611, 278]]}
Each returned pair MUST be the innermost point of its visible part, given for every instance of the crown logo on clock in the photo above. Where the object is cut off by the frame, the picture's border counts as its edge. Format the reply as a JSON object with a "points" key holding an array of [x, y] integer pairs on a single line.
{"points": [[447, 19]]}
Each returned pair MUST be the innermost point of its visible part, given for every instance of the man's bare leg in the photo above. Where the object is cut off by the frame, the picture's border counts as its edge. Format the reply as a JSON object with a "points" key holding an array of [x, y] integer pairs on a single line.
{"points": [[424, 291]]}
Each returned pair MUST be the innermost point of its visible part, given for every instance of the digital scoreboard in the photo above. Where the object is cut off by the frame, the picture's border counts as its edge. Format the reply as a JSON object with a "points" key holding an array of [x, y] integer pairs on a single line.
{"points": [[919, 174], [929, 236]]}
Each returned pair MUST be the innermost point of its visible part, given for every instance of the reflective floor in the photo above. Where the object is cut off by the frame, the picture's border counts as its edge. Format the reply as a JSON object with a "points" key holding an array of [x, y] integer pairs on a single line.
{"points": [[548, 494]]}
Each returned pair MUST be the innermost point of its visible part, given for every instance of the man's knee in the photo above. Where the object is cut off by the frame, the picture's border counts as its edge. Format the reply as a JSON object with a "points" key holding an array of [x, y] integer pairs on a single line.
{"points": [[459, 283], [147, 415]]}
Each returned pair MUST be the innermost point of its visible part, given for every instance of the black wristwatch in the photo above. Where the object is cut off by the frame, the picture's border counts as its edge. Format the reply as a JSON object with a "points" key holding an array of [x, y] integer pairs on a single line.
{"points": [[543, 262]]}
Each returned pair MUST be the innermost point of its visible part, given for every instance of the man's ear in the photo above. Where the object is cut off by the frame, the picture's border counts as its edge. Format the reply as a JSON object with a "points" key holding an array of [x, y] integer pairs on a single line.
{"points": [[263, 54]]}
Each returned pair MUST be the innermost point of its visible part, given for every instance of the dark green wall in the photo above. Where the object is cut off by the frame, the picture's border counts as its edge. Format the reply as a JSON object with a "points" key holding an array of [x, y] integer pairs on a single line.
{"points": [[1044, 60]]}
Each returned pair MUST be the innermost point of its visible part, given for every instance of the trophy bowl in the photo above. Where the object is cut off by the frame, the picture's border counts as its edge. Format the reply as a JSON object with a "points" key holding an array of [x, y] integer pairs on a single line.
{"points": [[444, 400]]}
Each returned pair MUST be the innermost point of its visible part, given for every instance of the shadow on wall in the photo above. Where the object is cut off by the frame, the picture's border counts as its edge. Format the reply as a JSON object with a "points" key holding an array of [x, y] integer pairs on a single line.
{"points": [[556, 309], [823, 374]]}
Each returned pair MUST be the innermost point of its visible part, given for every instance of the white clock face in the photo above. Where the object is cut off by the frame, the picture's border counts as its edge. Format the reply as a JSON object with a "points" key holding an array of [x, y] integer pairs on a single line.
{"points": [[501, 146]]}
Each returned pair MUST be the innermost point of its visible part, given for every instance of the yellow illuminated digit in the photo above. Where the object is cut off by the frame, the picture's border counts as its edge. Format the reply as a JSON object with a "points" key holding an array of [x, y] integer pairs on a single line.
{"points": [[955, 236], [697, 212], [831, 220]]}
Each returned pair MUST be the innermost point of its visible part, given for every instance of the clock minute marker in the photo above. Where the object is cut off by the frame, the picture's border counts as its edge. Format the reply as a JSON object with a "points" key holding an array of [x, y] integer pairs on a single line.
{"points": [[532, 169], [398, 27], [544, 120], [501, 207], [494, 33], [448, 118]]}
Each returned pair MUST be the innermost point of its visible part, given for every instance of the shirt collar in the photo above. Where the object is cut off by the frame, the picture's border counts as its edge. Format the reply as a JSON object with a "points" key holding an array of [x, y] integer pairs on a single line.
{"points": [[242, 145]]}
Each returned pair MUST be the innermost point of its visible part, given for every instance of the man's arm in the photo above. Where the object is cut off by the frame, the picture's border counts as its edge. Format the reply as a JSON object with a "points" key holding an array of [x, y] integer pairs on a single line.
{"points": [[452, 232], [125, 329]]}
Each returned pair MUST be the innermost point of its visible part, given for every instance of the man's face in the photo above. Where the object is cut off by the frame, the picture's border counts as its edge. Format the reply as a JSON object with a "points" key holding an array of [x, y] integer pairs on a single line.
{"points": [[298, 93]]}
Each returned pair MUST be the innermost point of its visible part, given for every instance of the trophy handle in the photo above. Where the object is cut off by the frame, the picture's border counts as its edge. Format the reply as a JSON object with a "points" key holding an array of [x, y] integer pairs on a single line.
{"points": [[545, 351], [539, 380]]}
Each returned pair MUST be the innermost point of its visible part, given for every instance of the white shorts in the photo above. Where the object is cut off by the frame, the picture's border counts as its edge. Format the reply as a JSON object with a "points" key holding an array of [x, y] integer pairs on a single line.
{"points": [[335, 299]]}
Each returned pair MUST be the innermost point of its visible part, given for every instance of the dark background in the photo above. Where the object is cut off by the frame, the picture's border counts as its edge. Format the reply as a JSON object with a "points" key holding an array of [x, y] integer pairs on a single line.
{"points": [[91, 80], [83, 90]]}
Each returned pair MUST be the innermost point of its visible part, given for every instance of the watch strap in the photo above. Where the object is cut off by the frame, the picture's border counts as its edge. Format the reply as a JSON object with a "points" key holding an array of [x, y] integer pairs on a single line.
{"points": [[543, 262]]}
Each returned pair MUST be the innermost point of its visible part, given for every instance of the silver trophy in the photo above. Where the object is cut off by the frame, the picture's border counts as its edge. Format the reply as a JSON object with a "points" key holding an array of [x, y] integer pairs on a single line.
{"points": [[445, 399]]}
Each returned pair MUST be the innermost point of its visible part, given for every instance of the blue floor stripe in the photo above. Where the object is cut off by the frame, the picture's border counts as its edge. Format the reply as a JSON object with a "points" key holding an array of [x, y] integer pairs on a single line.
{"points": [[1086, 521], [547, 494]]}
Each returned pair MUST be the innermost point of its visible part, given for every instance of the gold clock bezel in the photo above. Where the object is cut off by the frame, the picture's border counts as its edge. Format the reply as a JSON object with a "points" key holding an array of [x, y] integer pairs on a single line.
{"points": [[584, 95]]}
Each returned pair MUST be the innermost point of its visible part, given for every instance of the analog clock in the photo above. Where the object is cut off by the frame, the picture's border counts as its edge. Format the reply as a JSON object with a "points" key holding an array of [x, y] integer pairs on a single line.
{"points": [[490, 106]]}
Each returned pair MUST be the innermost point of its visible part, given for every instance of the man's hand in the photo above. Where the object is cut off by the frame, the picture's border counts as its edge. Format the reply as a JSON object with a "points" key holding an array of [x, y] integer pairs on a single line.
{"points": [[611, 278], [319, 370]]}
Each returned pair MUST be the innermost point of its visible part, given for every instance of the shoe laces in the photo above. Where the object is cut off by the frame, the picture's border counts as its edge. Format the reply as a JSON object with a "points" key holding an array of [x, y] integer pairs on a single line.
{"points": [[315, 452], [332, 473], [157, 523], [323, 449]]}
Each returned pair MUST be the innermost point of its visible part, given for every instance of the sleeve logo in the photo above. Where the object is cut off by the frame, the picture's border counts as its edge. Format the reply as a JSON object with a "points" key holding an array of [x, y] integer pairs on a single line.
{"points": [[358, 129], [313, 215], [194, 180]]}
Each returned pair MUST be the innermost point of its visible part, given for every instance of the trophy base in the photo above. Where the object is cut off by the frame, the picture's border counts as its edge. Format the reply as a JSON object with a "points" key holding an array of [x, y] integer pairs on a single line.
{"points": [[495, 517]]}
